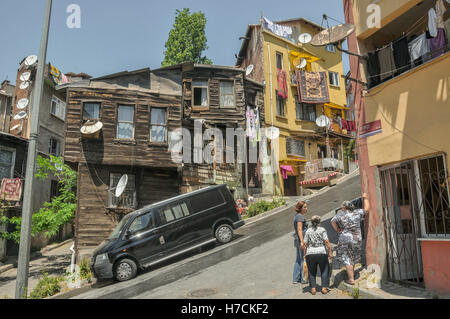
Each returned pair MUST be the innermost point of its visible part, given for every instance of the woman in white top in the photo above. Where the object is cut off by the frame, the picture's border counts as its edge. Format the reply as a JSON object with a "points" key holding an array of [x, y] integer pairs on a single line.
{"points": [[317, 244]]}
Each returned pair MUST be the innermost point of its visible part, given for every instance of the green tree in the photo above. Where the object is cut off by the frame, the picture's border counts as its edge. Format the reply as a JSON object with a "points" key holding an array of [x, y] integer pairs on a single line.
{"points": [[187, 39], [54, 214]]}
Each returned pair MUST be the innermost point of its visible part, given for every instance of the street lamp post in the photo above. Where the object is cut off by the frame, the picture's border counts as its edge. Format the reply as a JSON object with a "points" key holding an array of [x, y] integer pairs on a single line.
{"points": [[25, 230]]}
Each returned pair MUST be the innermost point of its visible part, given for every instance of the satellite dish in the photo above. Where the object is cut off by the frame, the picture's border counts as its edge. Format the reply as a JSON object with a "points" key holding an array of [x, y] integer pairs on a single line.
{"points": [[25, 76], [20, 115], [301, 64], [333, 35], [24, 85], [272, 132], [304, 38], [249, 69], [15, 127], [323, 121], [123, 181], [30, 60], [23, 103], [91, 127]]}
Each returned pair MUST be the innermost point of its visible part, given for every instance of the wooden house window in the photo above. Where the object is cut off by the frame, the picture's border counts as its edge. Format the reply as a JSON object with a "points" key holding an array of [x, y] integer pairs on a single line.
{"points": [[91, 111], [125, 122], [128, 197], [200, 92], [227, 94], [158, 127], [58, 108]]}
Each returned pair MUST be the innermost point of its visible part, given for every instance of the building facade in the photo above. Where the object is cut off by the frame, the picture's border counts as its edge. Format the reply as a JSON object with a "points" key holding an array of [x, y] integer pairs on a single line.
{"points": [[403, 115], [274, 60]]}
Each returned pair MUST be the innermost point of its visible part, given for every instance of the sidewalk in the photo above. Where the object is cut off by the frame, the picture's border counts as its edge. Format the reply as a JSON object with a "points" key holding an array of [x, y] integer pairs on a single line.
{"points": [[54, 259]]}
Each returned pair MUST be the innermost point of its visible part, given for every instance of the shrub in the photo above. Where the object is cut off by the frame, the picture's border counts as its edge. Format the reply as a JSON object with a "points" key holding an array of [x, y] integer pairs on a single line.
{"points": [[263, 206], [47, 286], [85, 270]]}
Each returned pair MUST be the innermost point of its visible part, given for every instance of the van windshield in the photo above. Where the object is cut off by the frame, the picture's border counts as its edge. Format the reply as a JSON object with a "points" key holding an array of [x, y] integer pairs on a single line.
{"points": [[118, 230]]}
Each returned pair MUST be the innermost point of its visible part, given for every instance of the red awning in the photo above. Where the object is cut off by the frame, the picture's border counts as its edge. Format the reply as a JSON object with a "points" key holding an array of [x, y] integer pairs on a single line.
{"points": [[318, 180]]}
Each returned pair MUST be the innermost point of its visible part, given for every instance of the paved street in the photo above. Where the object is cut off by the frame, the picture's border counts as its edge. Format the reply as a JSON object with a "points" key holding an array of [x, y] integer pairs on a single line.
{"points": [[257, 264]]}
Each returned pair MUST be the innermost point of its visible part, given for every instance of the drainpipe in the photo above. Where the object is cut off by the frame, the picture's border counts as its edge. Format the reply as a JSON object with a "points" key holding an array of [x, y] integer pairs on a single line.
{"points": [[72, 264]]}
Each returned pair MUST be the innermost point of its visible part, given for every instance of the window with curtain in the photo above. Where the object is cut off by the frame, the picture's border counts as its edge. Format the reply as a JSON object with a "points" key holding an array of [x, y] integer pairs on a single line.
{"points": [[227, 94], [334, 78], [158, 127], [54, 147], [91, 111], [58, 108], [125, 122], [6, 163], [200, 93]]}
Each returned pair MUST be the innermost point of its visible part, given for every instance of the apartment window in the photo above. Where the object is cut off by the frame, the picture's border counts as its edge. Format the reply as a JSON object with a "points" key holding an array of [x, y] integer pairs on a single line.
{"points": [[330, 48], [54, 147], [200, 92], [7, 159], [334, 78], [280, 104], [128, 197], [227, 94], [295, 147], [125, 123], [279, 60], [91, 111], [58, 108], [305, 111], [158, 127]]}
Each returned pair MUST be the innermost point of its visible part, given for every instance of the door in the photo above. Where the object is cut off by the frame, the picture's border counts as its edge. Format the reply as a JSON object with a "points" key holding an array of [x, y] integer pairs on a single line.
{"points": [[401, 222], [290, 186], [144, 238]]}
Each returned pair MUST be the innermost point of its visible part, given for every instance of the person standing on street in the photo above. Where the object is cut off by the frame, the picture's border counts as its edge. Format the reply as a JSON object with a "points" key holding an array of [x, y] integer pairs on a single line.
{"points": [[348, 224], [317, 244], [300, 227]]}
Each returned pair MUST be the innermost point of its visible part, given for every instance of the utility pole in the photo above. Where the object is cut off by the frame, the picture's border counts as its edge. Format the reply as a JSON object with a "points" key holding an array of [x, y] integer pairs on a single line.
{"points": [[25, 230]]}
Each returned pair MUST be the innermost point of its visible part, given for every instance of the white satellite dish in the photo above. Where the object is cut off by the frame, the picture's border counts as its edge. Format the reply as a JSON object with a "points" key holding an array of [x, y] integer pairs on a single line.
{"points": [[25, 76], [272, 132], [30, 60], [302, 64], [20, 115], [24, 85], [91, 127], [323, 121], [23, 103], [15, 127], [249, 69], [123, 181], [304, 38]]}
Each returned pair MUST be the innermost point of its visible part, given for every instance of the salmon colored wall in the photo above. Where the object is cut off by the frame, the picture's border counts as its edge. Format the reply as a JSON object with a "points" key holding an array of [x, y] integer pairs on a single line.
{"points": [[436, 265]]}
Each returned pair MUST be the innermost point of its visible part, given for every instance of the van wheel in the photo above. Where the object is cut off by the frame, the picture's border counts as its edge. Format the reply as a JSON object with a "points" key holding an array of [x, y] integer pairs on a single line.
{"points": [[125, 269], [224, 233]]}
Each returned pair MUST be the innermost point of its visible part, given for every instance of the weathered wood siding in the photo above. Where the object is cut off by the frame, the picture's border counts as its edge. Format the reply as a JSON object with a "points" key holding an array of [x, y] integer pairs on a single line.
{"points": [[108, 149]]}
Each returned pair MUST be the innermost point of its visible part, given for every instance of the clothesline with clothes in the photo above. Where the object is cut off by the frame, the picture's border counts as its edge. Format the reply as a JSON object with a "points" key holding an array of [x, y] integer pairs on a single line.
{"points": [[407, 52]]}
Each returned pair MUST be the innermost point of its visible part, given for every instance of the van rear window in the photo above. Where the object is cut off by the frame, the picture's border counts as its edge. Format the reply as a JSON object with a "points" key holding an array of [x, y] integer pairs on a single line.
{"points": [[206, 200]]}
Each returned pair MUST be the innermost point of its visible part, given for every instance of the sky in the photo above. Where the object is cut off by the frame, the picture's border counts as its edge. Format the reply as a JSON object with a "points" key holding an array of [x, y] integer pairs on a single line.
{"points": [[117, 35]]}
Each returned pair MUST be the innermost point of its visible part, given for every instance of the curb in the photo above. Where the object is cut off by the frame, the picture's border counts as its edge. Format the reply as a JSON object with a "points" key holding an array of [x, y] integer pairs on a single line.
{"points": [[50, 248]]}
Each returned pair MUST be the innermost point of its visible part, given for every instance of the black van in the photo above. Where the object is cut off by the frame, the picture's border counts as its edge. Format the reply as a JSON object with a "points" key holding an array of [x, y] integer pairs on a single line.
{"points": [[165, 229]]}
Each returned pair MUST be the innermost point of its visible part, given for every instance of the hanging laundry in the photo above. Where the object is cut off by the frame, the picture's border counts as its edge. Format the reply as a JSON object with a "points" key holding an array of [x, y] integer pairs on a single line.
{"points": [[387, 62], [56, 74], [373, 69], [285, 169], [312, 87], [251, 129], [438, 44], [401, 55], [257, 126], [282, 83], [418, 47], [432, 22], [278, 29], [345, 125]]}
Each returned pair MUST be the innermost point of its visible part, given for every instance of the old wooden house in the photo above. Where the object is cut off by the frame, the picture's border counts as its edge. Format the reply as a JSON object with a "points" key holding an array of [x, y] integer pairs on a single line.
{"points": [[122, 124]]}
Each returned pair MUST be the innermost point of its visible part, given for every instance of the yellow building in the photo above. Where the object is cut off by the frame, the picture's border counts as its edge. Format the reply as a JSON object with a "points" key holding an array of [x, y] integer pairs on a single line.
{"points": [[404, 135], [301, 140]]}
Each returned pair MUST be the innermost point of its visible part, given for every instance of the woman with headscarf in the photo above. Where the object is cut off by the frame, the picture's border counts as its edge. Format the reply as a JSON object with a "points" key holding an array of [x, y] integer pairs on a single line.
{"points": [[317, 244], [348, 224], [299, 228]]}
